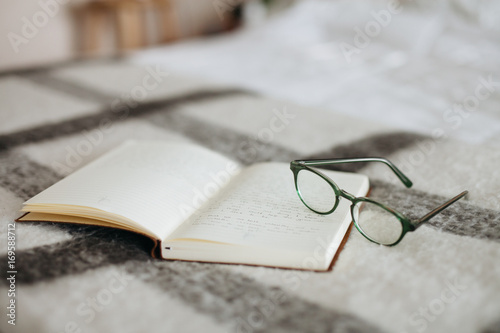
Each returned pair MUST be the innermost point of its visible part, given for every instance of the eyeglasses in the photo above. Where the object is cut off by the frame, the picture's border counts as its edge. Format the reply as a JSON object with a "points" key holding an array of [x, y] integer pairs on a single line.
{"points": [[377, 222]]}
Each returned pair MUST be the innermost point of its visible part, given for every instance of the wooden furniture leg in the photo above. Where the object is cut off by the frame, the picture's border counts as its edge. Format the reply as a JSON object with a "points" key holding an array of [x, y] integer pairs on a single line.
{"points": [[130, 27], [93, 22]]}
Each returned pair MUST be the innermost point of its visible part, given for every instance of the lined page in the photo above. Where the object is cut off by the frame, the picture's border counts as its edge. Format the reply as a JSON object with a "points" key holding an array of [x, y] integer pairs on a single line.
{"points": [[261, 207], [155, 184]]}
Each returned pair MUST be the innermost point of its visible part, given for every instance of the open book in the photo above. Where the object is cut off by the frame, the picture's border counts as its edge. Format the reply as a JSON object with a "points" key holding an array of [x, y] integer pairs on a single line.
{"points": [[199, 205]]}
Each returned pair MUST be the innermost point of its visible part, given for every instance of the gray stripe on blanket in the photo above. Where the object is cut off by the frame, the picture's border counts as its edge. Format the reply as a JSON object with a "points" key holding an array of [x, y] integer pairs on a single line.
{"points": [[248, 149], [24, 177], [241, 147], [461, 218], [492, 328], [69, 87], [91, 247], [57, 66], [109, 114], [380, 145], [248, 304], [228, 296]]}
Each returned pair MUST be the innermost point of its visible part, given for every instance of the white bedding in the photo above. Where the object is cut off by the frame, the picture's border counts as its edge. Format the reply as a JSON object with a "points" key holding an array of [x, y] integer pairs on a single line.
{"points": [[426, 59]]}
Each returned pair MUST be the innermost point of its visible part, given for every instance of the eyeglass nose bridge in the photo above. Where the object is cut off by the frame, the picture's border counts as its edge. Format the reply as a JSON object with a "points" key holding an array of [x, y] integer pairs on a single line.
{"points": [[347, 195]]}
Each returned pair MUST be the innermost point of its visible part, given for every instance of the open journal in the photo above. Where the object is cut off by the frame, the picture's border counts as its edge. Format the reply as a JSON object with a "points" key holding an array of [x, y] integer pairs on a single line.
{"points": [[200, 205]]}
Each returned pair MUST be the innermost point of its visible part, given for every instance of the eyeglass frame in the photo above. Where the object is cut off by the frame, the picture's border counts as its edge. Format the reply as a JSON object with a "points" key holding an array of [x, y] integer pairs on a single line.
{"points": [[407, 224]]}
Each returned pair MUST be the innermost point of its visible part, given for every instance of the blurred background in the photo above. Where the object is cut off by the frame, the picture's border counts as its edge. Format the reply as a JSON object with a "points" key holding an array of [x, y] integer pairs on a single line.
{"points": [[410, 60], [46, 31], [41, 32]]}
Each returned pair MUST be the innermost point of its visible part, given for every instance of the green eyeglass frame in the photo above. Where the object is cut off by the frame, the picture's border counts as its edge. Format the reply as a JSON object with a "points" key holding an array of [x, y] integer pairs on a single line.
{"points": [[406, 223]]}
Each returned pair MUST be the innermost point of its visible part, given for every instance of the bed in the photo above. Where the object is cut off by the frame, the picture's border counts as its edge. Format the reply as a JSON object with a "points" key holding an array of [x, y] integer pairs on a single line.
{"points": [[427, 98]]}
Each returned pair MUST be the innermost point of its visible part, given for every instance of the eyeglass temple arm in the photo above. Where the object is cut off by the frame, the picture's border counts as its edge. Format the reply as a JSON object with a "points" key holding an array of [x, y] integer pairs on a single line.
{"points": [[395, 169], [438, 210]]}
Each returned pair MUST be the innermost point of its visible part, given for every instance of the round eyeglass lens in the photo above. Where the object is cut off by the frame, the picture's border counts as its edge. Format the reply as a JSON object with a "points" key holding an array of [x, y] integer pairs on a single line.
{"points": [[315, 192], [377, 223]]}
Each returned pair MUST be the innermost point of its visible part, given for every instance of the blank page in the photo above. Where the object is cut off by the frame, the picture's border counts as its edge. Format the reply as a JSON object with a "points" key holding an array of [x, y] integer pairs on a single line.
{"points": [[153, 184]]}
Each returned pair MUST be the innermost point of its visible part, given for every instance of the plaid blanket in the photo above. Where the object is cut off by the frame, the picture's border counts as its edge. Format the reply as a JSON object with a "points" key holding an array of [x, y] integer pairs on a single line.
{"points": [[64, 278]]}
